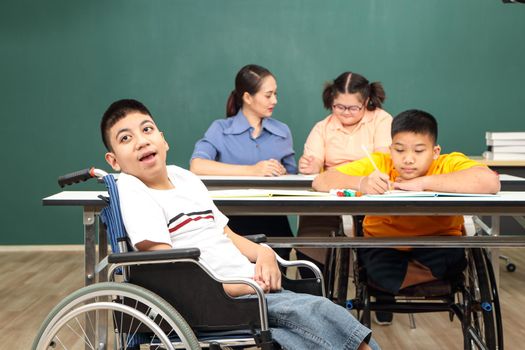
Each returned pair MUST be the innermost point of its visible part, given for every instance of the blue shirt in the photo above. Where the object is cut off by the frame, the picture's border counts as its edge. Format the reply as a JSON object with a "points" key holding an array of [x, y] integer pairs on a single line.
{"points": [[230, 141]]}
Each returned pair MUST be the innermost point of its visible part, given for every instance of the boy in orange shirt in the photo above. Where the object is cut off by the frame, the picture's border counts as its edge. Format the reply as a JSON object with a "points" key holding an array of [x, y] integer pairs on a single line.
{"points": [[414, 164]]}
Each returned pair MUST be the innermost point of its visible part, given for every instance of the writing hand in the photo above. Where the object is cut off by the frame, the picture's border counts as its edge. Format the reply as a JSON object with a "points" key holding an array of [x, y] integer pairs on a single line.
{"points": [[375, 183]]}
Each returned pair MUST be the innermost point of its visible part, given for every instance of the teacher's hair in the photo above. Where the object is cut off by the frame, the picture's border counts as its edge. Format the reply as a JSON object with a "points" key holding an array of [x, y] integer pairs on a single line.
{"points": [[351, 83], [249, 80]]}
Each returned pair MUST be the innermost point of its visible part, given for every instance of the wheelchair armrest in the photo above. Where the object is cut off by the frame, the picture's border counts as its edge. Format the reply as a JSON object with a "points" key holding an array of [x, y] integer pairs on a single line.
{"points": [[301, 263], [154, 255], [258, 238], [318, 280]]}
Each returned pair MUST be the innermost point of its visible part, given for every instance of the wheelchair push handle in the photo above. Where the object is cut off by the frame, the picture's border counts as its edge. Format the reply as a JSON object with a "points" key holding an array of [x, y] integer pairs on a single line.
{"points": [[80, 176]]}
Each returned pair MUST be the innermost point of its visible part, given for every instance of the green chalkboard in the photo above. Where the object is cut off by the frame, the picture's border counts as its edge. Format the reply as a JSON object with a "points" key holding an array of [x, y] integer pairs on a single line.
{"points": [[63, 62]]}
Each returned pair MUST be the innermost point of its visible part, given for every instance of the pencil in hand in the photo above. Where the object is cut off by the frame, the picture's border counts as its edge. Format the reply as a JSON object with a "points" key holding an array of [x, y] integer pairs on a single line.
{"points": [[375, 166]]}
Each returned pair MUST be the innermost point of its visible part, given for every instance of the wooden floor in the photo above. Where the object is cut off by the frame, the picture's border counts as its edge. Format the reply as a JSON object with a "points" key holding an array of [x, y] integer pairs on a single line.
{"points": [[32, 282]]}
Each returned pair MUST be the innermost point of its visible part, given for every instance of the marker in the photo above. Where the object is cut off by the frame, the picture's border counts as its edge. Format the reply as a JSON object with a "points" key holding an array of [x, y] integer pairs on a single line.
{"points": [[349, 193], [345, 193]]}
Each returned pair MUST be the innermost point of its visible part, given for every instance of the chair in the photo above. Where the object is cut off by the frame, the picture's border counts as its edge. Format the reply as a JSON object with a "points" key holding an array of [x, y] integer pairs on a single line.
{"points": [[334, 260], [163, 299], [471, 296]]}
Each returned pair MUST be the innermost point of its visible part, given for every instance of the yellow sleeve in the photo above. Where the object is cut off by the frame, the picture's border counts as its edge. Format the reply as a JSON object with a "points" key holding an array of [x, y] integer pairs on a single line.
{"points": [[455, 161], [364, 167]]}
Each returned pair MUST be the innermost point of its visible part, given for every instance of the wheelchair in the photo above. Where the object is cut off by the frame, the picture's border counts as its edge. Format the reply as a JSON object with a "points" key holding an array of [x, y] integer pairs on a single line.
{"points": [[167, 299], [471, 296]]}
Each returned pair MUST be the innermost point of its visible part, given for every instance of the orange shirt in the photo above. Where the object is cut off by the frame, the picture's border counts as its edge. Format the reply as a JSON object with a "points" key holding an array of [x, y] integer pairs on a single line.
{"points": [[330, 142], [400, 226]]}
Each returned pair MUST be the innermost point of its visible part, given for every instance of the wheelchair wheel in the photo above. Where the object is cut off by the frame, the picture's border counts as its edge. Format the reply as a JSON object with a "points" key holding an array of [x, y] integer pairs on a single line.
{"points": [[482, 321], [113, 316]]}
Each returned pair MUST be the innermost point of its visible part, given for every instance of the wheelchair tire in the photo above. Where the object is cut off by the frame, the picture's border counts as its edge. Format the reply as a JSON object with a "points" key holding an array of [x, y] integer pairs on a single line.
{"points": [[481, 316], [86, 301]]}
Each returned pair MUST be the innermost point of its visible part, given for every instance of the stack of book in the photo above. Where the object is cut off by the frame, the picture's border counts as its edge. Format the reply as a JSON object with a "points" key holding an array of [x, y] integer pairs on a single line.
{"points": [[505, 146]]}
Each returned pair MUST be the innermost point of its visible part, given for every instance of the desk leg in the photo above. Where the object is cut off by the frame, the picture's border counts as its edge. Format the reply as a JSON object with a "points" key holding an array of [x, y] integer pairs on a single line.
{"points": [[494, 252], [89, 263]]}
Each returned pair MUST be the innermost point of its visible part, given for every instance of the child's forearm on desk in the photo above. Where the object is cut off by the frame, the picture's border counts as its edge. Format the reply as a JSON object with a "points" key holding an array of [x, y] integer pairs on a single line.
{"points": [[473, 180], [335, 179]]}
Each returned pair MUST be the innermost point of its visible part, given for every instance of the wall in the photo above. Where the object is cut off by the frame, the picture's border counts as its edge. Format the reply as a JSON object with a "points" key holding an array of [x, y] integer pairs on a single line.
{"points": [[64, 62]]}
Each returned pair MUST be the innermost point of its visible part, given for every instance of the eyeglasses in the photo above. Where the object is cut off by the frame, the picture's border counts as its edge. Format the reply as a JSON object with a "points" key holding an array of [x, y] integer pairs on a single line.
{"points": [[342, 108]]}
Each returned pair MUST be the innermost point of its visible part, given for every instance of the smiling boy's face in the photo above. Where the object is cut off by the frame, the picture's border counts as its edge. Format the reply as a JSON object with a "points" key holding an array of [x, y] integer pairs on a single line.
{"points": [[138, 149], [413, 154]]}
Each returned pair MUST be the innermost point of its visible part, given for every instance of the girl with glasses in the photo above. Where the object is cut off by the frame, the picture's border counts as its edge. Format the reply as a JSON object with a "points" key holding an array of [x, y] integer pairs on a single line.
{"points": [[356, 121]]}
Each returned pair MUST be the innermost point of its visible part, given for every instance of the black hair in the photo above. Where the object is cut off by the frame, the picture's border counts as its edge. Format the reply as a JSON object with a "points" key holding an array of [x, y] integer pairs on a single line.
{"points": [[115, 112], [351, 83], [249, 80], [415, 121]]}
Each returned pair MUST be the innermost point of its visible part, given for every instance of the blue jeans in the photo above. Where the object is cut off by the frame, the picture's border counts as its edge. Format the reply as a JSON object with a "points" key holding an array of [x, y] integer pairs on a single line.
{"points": [[303, 321]]}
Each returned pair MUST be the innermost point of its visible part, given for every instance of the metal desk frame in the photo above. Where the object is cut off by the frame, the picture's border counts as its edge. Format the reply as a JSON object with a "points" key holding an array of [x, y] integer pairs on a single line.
{"points": [[507, 204]]}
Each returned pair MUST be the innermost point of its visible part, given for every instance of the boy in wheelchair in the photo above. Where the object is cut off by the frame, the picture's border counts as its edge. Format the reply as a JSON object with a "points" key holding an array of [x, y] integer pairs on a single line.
{"points": [[167, 206], [413, 164]]}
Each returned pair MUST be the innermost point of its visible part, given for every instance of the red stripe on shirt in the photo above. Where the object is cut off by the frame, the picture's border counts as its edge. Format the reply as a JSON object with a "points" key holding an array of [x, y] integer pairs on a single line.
{"points": [[173, 229]]}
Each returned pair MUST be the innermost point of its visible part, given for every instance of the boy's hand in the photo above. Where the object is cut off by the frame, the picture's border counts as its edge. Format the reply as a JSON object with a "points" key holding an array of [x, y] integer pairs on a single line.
{"points": [[416, 184], [265, 287], [267, 272], [308, 165], [269, 167], [375, 183]]}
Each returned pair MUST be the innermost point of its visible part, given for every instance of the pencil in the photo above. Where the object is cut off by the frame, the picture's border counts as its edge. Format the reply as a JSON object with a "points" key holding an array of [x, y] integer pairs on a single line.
{"points": [[375, 165], [370, 157]]}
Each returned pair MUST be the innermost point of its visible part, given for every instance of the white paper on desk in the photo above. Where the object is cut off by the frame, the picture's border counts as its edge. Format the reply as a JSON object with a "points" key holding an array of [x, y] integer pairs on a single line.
{"points": [[401, 193], [259, 192]]}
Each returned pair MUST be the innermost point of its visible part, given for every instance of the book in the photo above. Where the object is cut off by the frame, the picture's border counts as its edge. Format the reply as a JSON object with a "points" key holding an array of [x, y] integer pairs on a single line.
{"points": [[505, 142], [506, 149], [503, 156], [259, 192], [401, 193], [490, 135]]}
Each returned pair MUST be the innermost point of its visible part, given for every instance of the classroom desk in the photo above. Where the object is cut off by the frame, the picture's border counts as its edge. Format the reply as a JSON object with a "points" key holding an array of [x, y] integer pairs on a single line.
{"points": [[512, 182], [295, 182], [511, 167], [506, 204], [507, 225], [304, 182]]}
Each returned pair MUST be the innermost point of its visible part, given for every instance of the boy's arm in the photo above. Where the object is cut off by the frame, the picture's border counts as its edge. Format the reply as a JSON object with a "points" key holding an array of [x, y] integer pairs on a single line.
{"points": [[333, 178], [478, 179], [267, 272], [268, 279], [149, 245], [375, 183]]}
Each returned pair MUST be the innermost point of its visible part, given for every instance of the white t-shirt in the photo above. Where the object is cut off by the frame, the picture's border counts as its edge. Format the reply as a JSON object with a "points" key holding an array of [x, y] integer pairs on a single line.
{"points": [[183, 217]]}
